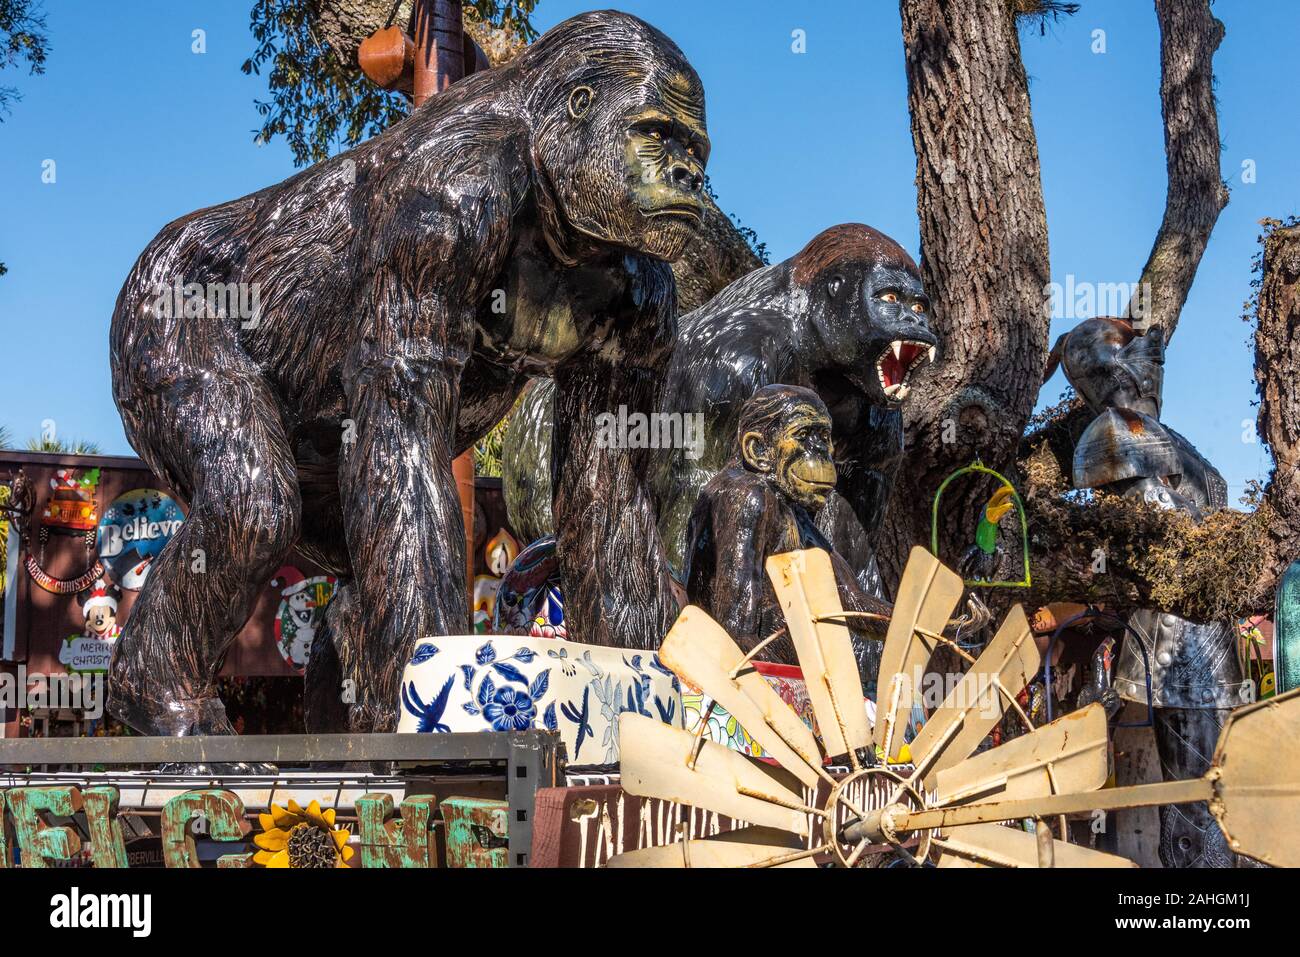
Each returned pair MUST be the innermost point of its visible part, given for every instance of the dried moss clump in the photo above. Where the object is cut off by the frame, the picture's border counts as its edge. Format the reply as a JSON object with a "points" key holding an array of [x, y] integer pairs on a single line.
{"points": [[1100, 548]]}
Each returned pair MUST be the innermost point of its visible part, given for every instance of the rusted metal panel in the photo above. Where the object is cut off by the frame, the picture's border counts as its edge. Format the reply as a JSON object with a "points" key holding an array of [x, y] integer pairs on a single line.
{"points": [[6, 835], [477, 832], [211, 813], [586, 826], [107, 846], [40, 841], [405, 841]]}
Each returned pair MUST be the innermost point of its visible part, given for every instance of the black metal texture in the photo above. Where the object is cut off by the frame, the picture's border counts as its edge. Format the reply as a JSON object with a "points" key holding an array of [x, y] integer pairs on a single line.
{"points": [[302, 365]]}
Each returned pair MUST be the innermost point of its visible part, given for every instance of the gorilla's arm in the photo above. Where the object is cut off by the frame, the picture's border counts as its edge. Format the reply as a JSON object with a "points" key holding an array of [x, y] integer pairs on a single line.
{"points": [[606, 538], [727, 546], [435, 254]]}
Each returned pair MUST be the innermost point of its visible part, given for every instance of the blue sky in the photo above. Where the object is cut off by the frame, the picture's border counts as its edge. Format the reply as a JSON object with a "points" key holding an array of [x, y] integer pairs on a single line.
{"points": [[142, 130]]}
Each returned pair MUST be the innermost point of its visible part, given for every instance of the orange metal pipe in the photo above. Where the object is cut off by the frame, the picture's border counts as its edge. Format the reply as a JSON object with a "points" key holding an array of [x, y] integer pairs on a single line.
{"points": [[440, 62]]}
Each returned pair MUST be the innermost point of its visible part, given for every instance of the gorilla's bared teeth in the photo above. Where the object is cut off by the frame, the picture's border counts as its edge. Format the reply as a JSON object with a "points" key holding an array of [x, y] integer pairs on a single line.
{"points": [[932, 352], [897, 346]]}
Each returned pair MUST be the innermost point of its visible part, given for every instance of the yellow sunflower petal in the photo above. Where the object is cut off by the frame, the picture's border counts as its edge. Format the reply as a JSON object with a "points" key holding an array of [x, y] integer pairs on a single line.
{"points": [[295, 807], [263, 858], [280, 859], [272, 840], [340, 836], [346, 853], [267, 821], [283, 817], [329, 817]]}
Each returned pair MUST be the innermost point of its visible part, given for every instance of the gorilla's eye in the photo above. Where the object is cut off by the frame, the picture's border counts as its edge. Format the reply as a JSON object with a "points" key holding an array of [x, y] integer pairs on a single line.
{"points": [[918, 307], [889, 297], [833, 286]]}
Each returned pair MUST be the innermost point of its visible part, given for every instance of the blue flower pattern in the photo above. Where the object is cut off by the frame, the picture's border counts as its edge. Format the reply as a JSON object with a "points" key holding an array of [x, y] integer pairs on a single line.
{"points": [[513, 704]]}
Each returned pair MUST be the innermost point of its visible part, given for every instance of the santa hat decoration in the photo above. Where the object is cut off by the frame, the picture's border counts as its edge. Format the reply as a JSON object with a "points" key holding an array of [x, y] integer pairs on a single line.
{"points": [[100, 596], [288, 580]]}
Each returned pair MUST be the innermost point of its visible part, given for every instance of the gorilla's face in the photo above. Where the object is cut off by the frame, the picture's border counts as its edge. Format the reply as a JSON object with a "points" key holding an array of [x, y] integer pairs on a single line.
{"points": [[634, 175], [874, 322], [665, 154], [796, 454]]}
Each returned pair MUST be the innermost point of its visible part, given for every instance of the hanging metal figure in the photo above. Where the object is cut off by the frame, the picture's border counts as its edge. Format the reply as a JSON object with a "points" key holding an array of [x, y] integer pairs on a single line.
{"points": [[1195, 673]]}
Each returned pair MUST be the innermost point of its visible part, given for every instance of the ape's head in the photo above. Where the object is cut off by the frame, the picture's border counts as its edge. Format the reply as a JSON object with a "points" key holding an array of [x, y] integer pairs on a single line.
{"points": [[1111, 366], [868, 315], [620, 141], [785, 435]]}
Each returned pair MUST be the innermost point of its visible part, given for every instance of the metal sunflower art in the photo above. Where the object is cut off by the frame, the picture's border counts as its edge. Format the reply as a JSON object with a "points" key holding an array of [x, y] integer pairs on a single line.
{"points": [[298, 837]]}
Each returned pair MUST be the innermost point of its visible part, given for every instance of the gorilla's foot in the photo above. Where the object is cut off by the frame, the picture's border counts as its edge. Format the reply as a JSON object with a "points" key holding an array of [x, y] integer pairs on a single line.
{"points": [[175, 717]]}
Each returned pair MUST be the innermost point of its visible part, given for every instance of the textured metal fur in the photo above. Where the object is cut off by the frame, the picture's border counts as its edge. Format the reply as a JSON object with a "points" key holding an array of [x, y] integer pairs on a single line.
{"points": [[408, 288]]}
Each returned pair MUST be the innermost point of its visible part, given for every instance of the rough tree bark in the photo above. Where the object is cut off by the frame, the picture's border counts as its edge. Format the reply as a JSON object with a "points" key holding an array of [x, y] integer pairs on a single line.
{"points": [[1189, 35], [984, 259], [1277, 377]]}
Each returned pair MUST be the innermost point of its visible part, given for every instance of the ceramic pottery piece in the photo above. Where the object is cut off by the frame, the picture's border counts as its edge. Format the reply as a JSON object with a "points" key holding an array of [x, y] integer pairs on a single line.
{"points": [[515, 682]]}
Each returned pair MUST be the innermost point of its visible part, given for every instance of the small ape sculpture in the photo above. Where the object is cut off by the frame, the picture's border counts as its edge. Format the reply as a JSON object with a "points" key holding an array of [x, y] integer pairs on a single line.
{"points": [[846, 316], [764, 503], [519, 224], [1194, 671]]}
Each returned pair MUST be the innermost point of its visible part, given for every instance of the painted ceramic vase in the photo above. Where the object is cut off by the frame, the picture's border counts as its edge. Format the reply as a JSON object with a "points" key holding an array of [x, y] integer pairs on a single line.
{"points": [[515, 682]]}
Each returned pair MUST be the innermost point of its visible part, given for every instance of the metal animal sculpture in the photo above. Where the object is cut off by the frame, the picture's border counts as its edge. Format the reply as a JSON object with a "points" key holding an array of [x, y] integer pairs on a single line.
{"points": [[765, 503], [520, 223], [1195, 674], [846, 316]]}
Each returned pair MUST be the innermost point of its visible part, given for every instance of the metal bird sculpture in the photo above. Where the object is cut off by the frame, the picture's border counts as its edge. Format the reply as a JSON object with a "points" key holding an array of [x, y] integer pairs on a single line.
{"points": [[981, 561]]}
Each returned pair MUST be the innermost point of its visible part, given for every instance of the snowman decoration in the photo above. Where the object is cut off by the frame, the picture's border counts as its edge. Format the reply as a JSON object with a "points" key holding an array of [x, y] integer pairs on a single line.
{"points": [[302, 608]]}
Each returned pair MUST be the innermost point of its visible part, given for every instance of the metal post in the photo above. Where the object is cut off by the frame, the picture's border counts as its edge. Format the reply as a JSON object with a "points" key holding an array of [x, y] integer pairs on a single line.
{"points": [[533, 764]]}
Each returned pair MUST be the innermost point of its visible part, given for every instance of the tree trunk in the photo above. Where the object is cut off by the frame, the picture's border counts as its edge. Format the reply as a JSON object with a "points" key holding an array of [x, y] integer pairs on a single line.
{"points": [[984, 260], [1277, 376], [1189, 35]]}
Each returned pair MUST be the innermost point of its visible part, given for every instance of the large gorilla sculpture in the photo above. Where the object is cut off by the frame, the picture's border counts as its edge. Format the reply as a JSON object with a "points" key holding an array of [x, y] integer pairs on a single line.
{"points": [[519, 224], [846, 316]]}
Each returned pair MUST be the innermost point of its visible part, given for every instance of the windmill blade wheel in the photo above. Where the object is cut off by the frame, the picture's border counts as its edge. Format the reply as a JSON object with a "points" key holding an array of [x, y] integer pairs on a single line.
{"points": [[781, 821]]}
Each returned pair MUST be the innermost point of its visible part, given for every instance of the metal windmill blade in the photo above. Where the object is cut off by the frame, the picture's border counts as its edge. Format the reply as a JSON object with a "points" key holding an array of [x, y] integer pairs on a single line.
{"points": [[927, 596], [979, 699], [1070, 754], [992, 845], [660, 761], [1252, 788], [743, 847], [948, 808], [804, 582], [703, 655]]}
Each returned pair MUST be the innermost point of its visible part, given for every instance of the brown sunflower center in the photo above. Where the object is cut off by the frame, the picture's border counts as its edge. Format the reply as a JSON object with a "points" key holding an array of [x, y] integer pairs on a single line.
{"points": [[311, 846]]}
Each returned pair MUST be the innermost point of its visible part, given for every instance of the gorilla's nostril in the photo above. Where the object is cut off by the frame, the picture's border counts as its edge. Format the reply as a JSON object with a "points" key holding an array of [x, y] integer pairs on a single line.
{"points": [[687, 178]]}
